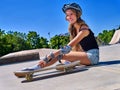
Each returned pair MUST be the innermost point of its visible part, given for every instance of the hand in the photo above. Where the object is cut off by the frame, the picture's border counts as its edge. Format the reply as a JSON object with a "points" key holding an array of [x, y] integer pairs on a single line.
{"points": [[42, 63]]}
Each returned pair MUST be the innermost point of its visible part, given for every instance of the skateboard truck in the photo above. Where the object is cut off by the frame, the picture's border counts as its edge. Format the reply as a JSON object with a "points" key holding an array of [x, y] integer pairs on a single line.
{"points": [[29, 76]]}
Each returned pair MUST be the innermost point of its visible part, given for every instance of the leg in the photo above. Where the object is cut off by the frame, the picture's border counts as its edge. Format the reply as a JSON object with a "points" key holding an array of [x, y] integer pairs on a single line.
{"points": [[73, 56]]}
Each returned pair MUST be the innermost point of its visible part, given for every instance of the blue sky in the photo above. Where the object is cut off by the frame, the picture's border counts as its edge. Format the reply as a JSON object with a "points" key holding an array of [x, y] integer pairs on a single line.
{"points": [[45, 16]]}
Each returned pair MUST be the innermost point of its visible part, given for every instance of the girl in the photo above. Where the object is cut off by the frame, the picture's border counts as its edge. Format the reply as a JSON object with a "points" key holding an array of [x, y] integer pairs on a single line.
{"points": [[82, 45]]}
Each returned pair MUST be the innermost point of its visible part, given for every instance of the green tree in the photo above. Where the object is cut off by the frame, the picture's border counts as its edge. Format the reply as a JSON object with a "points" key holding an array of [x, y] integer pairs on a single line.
{"points": [[16, 41], [2, 40], [12, 41], [33, 40], [43, 43], [106, 35], [59, 40]]}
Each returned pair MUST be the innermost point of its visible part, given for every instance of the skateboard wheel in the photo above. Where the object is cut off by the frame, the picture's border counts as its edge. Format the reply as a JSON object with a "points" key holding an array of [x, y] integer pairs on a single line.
{"points": [[29, 77], [68, 69]]}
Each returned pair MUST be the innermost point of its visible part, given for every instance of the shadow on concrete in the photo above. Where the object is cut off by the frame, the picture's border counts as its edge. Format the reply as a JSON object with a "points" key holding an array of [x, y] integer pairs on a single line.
{"points": [[105, 63]]}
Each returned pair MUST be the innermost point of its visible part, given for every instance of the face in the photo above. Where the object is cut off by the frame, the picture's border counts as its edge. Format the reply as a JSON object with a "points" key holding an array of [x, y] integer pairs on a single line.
{"points": [[71, 16]]}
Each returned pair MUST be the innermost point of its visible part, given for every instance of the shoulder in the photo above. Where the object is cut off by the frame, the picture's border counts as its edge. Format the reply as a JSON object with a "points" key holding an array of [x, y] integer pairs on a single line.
{"points": [[84, 27]]}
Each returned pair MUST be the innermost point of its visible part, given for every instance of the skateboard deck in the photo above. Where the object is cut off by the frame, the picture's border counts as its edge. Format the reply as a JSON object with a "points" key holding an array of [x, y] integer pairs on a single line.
{"points": [[65, 68]]}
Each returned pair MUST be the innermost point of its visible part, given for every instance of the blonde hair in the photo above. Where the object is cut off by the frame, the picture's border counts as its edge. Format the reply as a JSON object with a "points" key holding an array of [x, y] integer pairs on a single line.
{"points": [[73, 31]]}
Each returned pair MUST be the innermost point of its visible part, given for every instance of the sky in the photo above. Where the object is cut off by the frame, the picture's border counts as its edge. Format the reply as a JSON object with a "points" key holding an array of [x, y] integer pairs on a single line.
{"points": [[46, 16]]}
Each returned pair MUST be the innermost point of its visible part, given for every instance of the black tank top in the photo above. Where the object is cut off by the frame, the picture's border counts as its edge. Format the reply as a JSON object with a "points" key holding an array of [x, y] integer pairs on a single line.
{"points": [[89, 42]]}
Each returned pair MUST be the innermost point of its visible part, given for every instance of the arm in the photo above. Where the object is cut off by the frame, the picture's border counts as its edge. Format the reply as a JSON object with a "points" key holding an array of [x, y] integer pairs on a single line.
{"points": [[83, 33]]}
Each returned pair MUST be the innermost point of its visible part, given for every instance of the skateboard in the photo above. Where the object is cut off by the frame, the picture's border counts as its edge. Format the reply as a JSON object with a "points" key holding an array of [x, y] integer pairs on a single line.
{"points": [[65, 68]]}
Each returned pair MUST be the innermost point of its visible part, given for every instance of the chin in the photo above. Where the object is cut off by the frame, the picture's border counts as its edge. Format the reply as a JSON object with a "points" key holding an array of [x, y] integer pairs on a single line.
{"points": [[71, 22]]}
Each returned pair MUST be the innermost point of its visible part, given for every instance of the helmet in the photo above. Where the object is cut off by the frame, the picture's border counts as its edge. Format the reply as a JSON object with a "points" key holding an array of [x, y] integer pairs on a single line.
{"points": [[72, 6]]}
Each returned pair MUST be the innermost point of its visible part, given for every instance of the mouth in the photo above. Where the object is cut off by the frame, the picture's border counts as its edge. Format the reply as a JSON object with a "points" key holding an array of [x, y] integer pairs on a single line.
{"points": [[71, 21]]}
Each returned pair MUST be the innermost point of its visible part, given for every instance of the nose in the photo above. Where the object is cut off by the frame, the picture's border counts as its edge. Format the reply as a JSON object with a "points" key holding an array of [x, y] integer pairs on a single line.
{"points": [[68, 18]]}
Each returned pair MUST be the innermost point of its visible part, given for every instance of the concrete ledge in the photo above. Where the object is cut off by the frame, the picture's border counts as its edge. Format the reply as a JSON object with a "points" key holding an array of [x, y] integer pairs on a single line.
{"points": [[25, 55]]}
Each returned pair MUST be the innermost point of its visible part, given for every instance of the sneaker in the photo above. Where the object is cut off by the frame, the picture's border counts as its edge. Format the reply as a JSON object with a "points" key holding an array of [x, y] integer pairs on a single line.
{"points": [[61, 64], [35, 67], [21, 75], [67, 62]]}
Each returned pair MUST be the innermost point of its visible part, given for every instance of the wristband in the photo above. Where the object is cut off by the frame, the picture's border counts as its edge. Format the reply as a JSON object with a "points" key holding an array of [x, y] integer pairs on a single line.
{"points": [[52, 55], [46, 59], [60, 57]]}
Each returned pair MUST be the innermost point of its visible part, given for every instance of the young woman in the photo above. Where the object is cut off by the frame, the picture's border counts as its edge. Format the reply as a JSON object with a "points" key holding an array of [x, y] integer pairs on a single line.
{"points": [[82, 45]]}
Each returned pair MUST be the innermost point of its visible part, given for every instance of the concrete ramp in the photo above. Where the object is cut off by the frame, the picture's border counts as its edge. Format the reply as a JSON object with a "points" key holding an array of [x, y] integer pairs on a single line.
{"points": [[116, 37]]}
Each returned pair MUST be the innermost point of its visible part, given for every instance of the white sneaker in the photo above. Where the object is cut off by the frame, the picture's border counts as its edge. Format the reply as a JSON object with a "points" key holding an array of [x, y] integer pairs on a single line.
{"points": [[35, 67], [62, 68], [67, 62]]}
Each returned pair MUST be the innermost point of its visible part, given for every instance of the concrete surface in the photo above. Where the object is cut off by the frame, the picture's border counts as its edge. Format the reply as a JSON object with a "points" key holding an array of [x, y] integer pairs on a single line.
{"points": [[105, 76]]}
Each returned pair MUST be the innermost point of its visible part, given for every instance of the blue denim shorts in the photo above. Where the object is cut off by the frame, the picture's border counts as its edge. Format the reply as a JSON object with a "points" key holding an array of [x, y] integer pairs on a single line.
{"points": [[93, 56]]}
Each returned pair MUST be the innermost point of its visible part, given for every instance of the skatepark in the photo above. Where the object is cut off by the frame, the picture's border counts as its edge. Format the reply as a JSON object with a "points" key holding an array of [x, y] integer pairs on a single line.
{"points": [[104, 76]]}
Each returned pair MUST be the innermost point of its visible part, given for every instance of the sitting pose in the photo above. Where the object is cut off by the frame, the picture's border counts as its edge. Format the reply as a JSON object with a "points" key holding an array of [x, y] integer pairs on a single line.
{"points": [[82, 45]]}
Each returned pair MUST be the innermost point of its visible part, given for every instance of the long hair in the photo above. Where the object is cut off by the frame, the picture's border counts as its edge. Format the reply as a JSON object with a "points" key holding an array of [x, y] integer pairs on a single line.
{"points": [[73, 31]]}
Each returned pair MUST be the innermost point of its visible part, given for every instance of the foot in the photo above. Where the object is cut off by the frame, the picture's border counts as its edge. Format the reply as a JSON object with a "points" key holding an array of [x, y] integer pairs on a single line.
{"points": [[20, 75], [63, 63], [35, 67], [66, 62]]}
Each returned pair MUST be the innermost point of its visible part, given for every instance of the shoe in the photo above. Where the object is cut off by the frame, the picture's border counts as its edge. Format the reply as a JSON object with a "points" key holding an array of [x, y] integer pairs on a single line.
{"points": [[35, 67], [61, 64], [67, 62], [21, 75]]}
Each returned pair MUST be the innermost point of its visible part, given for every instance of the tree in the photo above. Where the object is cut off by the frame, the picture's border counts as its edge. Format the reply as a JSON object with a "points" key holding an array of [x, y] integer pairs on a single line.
{"points": [[16, 40], [106, 35], [2, 40], [33, 40], [59, 40], [43, 43], [12, 42]]}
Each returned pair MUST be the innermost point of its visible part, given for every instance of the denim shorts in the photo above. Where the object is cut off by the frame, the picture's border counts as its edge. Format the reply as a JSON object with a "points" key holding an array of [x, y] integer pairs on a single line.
{"points": [[93, 56]]}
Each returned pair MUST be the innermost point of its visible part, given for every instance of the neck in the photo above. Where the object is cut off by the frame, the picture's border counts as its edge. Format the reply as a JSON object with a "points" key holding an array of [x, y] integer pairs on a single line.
{"points": [[76, 26]]}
